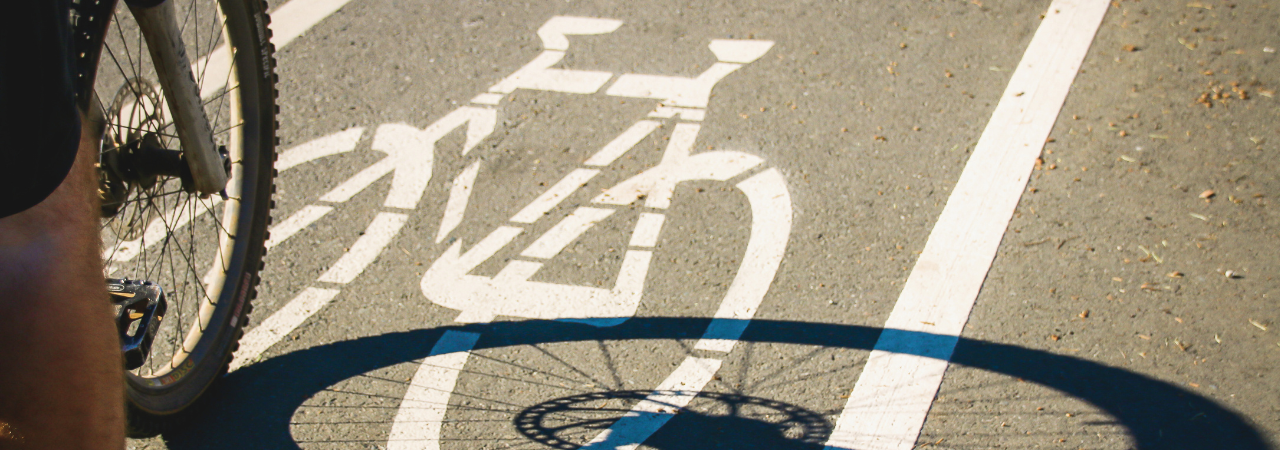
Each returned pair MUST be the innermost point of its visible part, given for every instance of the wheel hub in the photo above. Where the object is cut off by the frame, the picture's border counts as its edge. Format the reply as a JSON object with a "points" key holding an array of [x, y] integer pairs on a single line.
{"points": [[136, 157]]}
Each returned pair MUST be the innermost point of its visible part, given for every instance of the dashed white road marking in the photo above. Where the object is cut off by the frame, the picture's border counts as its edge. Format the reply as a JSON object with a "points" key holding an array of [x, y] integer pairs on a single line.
{"points": [[564, 233], [288, 22], [770, 229], [650, 414], [448, 282], [270, 331], [385, 226], [360, 181], [295, 223], [292, 19], [459, 195], [340, 142], [648, 226], [892, 397], [623, 143], [421, 414], [410, 155], [552, 197], [539, 75]]}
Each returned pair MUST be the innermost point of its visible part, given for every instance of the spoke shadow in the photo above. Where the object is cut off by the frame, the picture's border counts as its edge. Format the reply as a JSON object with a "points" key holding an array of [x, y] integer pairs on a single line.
{"points": [[253, 407]]}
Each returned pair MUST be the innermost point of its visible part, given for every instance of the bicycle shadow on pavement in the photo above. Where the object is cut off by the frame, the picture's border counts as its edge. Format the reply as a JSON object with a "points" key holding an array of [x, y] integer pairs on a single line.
{"points": [[253, 407], [718, 420]]}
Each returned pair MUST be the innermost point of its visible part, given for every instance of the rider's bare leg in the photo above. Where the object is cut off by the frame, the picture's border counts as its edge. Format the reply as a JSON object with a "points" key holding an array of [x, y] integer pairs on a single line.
{"points": [[60, 366]]}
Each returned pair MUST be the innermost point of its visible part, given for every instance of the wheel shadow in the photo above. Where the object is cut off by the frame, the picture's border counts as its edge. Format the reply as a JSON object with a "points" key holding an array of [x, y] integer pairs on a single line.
{"points": [[253, 407], [717, 420]]}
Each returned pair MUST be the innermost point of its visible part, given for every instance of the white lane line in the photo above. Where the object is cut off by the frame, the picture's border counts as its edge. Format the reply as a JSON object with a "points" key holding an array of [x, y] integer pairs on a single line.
{"points": [[412, 152], [459, 195], [517, 271], [360, 181], [770, 230], [295, 223], [552, 197], [554, 240], [487, 99], [657, 408], [667, 112], [892, 397], [621, 144], [292, 19], [420, 416], [288, 22], [693, 92], [267, 333], [379, 233], [648, 226], [340, 142]]}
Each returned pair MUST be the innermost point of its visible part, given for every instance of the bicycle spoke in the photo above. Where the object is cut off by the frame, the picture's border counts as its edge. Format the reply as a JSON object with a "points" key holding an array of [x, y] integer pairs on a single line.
{"points": [[213, 40], [125, 42], [224, 93], [232, 127], [116, 61], [173, 136]]}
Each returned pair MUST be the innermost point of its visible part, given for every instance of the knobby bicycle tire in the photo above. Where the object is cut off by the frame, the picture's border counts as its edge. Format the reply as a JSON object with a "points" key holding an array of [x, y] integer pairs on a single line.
{"points": [[205, 253]]}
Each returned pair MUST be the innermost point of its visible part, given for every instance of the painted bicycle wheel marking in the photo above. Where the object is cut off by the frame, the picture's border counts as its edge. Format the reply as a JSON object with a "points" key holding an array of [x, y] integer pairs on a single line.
{"points": [[409, 160], [448, 281]]}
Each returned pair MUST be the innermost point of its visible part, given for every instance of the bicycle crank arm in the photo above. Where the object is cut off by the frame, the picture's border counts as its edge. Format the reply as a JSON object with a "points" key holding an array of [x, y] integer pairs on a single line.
{"points": [[141, 307], [158, 22]]}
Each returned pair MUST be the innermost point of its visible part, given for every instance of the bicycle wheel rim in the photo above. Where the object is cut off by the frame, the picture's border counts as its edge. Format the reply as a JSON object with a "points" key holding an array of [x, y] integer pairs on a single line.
{"points": [[203, 252]]}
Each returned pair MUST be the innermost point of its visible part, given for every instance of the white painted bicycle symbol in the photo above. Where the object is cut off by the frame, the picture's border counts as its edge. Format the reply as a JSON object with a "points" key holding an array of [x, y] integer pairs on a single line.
{"points": [[680, 107], [682, 102]]}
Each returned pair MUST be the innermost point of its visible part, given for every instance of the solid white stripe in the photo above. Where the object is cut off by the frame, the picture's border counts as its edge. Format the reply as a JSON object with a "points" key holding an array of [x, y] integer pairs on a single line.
{"points": [[459, 195], [342, 141], [380, 232], [267, 333], [892, 397], [360, 181], [648, 227], [295, 223], [292, 19], [421, 413], [657, 408], [552, 197], [288, 21], [554, 240], [770, 229], [622, 143]]}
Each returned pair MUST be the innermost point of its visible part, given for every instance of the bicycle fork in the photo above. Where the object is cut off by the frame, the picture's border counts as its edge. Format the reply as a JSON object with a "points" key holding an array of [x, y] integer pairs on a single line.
{"points": [[159, 24]]}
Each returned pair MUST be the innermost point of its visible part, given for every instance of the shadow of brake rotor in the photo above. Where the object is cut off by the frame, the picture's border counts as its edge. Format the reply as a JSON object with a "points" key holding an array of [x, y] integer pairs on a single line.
{"points": [[253, 407], [720, 420]]}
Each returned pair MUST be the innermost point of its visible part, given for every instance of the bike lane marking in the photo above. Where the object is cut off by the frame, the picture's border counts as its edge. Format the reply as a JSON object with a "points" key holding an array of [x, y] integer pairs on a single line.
{"points": [[288, 22], [421, 413], [447, 281], [459, 195], [892, 396], [410, 155], [658, 407]]}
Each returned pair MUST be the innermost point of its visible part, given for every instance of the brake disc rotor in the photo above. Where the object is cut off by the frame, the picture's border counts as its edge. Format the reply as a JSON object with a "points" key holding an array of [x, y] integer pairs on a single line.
{"points": [[135, 114]]}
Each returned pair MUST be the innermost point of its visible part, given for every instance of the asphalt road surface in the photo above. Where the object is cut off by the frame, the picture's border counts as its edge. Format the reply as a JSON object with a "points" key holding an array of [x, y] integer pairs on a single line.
{"points": [[773, 225]]}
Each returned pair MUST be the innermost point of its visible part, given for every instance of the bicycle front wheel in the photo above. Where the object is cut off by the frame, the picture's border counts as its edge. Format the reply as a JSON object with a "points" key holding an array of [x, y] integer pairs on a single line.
{"points": [[205, 253]]}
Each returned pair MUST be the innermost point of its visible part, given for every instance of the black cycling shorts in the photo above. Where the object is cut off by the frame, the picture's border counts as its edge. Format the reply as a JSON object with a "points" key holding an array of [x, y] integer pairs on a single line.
{"points": [[39, 124]]}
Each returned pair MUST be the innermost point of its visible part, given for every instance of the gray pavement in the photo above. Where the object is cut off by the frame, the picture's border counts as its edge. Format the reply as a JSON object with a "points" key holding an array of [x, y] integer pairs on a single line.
{"points": [[1132, 302]]}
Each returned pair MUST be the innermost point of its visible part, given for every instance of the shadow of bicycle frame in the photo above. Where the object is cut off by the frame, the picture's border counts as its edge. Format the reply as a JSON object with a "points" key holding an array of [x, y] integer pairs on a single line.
{"points": [[253, 407]]}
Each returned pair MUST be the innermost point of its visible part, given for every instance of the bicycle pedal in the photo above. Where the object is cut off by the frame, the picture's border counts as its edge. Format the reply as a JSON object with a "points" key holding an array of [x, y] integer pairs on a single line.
{"points": [[140, 308]]}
